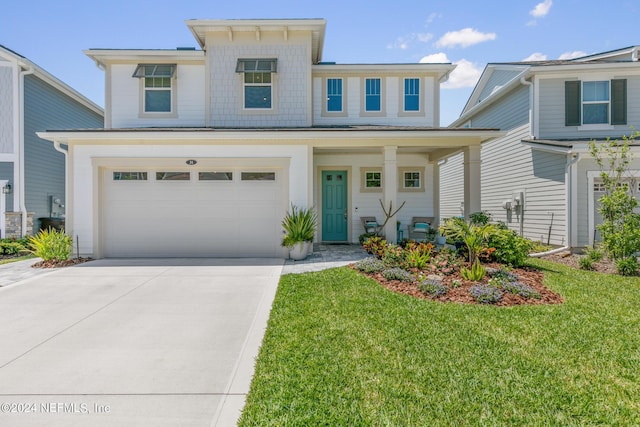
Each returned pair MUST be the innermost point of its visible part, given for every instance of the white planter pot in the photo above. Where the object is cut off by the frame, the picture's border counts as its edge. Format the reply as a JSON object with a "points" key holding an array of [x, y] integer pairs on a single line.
{"points": [[298, 251], [309, 247], [441, 240]]}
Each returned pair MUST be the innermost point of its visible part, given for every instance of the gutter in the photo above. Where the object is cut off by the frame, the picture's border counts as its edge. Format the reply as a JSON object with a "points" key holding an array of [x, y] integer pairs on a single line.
{"points": [[21, 196]]}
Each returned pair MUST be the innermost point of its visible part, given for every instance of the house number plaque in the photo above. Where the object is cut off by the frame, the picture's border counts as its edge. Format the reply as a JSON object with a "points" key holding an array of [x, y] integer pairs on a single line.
{"points": [[191, 162]]}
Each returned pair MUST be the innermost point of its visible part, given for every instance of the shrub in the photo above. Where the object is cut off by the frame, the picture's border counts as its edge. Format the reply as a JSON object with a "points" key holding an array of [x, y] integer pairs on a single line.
{"points": [[365, 236], [510, 248], [51, 245], [397, 274], [418, 255], [593, 253], [11, 248], [480, 218], [474, 236], [627, 266], [375, 246], [432, 287], [522, 289], [299, 225], [445, 262], [370, 265], [475, 273], [393, 256], [486, 294], [585, 263]]}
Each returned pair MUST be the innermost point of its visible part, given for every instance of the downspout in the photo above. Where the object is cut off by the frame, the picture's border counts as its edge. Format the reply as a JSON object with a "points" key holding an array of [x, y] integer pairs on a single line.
{"points": [[526, 82], [572, 159], [21, 196]]}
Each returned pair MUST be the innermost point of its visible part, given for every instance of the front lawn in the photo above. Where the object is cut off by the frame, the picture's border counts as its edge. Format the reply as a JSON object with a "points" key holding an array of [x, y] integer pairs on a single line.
{"points": [[342, 350]]}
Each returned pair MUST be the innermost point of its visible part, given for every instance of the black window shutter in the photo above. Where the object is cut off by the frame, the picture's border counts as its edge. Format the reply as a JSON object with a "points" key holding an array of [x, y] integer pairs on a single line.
{"points": [[572, 103], [619, 102]]}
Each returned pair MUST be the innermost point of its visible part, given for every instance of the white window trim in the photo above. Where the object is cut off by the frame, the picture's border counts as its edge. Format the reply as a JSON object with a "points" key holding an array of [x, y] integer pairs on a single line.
{"points": [[421, 107], [411, 169], [363, 179], [274, 91], [159, 114], [325, 96], [594, 126], [363, 97]]}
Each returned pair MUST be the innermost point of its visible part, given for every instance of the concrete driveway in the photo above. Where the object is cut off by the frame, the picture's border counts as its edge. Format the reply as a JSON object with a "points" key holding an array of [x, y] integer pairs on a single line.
{"points": [[163, 342]]}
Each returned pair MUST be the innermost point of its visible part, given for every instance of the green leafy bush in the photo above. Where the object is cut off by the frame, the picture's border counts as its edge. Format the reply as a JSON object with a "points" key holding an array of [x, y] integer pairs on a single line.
{"points": [[585, 263], [375, 246], [370, 265], [627, 266], [299, 225], [365, 236], [11, 248], [398, 274], [475, 273], [474, 236], [445, 262], [510, 248], [394, 256], [593, 253], [417, 255], [480, 218], [51, 245]]}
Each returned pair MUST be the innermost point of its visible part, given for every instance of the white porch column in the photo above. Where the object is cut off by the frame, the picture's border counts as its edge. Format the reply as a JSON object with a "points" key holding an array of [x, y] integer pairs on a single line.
{"points": [[472, 187], [390, 189], [436, 195]]}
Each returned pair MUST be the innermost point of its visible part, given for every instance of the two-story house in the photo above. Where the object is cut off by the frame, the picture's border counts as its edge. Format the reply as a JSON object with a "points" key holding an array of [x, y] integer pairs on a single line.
{"points": [[540, 178], [32, 172], [204, 150]]}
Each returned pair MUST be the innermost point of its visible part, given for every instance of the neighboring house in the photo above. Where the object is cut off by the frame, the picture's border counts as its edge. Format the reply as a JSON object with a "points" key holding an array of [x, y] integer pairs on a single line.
{"points": [[204, 151], [539, 178], [32, 172]]}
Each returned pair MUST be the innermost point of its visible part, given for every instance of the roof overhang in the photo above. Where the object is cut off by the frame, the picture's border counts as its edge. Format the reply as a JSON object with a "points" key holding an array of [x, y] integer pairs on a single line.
{"points": [[442, 70], [200, 27], [104, 56]]}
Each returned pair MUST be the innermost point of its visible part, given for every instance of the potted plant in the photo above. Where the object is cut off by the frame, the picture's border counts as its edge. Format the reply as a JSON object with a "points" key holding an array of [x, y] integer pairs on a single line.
{"points": [[299, 225]]}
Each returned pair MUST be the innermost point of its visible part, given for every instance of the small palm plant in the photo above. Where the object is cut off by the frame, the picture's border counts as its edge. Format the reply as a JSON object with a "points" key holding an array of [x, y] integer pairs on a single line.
{"points": [[299, 225], [51, 245], [474, 236]]}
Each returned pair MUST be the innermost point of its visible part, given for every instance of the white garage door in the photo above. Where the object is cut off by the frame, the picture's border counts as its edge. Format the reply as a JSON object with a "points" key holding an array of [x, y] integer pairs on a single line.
{"points": [[232, 212]]}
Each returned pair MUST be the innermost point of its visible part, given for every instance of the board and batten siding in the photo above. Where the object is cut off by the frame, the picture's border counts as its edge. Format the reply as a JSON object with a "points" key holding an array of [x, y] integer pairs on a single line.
{"points": [[511, 112], [509, 166], [393, 97], [125, 105], [46, 108], [498, 79], [6, 110], [368, 203], [552, 109]]}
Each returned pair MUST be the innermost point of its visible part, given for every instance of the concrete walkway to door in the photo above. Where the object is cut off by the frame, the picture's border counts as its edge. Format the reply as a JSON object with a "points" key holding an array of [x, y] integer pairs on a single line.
{"points": [[137, 342]]}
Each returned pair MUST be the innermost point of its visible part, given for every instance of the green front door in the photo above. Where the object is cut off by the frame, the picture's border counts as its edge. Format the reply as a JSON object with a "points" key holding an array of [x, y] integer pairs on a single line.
{"points": [[334, 206]]}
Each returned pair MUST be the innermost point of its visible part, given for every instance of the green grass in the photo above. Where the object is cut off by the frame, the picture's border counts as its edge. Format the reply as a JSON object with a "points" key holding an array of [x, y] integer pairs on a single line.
{"points": [[19, 258], [340, 350]]}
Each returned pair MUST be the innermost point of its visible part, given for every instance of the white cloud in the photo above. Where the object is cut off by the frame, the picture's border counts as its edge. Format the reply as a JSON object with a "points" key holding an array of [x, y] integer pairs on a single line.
{"points": [[572, 55], [403, 42], [433, 16], [537, 56], [464, 38], [465, 75], [435, 58], [542, 9]]}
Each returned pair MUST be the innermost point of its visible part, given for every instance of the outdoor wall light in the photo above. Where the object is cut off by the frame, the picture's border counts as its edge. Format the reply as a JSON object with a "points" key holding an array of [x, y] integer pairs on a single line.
{"points": [[7, 189]]}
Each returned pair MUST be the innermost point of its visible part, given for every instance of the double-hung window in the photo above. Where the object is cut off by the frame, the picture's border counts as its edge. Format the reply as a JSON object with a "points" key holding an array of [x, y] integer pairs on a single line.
{"points": [[373, 93], [412, 94], [334, 95], [257, 82], [596, 102], [157, 87]]}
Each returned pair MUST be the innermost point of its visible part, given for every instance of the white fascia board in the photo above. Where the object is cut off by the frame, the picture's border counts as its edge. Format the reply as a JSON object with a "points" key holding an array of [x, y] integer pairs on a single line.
{"points": [[440, 69], [475, 137], [104, 56], [550, 71], [467, 115]]}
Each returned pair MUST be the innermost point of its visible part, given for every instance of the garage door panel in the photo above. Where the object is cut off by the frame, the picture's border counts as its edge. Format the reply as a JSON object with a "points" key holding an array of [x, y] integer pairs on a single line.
{"points": [[192, 218]]}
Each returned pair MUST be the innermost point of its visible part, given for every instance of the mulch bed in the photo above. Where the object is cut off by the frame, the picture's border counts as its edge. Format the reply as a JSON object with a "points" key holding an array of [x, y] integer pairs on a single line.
{"points": [[526, 275], [58, 264]]}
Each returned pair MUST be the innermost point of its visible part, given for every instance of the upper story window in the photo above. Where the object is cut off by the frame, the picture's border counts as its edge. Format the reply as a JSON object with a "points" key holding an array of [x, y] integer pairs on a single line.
{"points": [[373, 94], [157, 87], [334, 95], [596, 102], [257, 82], [412, 94]]}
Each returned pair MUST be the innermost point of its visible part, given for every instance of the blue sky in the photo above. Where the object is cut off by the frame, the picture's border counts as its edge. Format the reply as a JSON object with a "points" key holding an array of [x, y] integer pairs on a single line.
{"points": [[470, 34]]}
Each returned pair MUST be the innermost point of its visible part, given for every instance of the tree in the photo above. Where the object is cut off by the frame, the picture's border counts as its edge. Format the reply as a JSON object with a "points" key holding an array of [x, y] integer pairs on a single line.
{"points": [[620, 228]]}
